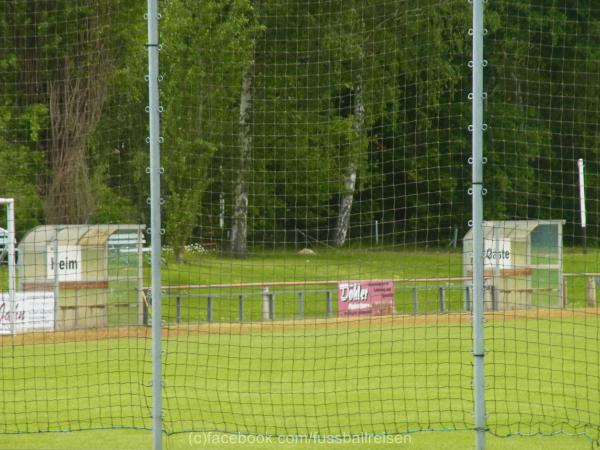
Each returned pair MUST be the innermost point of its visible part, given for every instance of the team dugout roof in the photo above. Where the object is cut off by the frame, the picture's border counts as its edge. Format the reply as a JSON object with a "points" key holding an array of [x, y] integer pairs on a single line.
{"points": [[85, 235], [510, 229]]}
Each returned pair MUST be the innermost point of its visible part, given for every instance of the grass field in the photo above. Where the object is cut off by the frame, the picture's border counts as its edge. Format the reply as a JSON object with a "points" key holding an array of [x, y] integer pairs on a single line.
{"points": [[300, 377], [375, 376]]}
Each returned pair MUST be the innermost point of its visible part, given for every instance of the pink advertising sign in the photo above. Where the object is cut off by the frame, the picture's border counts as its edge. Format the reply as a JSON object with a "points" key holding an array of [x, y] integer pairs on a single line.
{"points": [[369, 298]]}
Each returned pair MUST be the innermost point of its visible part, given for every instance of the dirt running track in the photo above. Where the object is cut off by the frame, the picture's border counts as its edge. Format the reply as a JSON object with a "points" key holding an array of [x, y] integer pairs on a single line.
{"points": [[139, 332]]}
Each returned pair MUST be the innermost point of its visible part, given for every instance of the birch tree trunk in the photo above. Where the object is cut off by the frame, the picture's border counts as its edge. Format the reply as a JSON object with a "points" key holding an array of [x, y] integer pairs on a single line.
{"points": [[239, 230], [358, 121]]}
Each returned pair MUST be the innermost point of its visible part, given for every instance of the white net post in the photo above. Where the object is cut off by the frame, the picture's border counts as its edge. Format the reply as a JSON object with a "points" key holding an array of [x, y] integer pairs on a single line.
{"points": [[9, 203]]}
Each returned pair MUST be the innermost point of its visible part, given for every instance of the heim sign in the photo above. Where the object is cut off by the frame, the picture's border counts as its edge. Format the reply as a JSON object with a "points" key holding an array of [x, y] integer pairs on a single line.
{"points": [[372, 298], [67, 264]]}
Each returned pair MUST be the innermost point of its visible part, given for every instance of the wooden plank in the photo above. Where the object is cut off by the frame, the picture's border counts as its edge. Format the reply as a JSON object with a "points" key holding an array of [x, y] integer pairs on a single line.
{"points": [[528, 290], [525, 271], [72, 307], [48, 286]]}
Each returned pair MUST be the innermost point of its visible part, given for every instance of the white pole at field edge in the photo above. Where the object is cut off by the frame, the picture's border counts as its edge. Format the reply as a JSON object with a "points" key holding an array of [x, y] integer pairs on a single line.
{"points": [[12, 277], [580, 167]]}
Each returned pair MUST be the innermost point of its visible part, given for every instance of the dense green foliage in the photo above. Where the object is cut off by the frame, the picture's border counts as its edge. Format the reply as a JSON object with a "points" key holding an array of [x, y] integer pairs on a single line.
{"points": [[73, 126]]}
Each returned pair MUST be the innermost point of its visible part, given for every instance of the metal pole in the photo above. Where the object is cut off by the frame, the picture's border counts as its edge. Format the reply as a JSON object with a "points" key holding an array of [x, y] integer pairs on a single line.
{"points": [[266, 305], [442, 300], [12, 278], [329, 308], [241, 307], [591, 292], [140, 277], [145, 311], [477, 128], [467, 298], [495, 299], [209, 309], [582, 212], [415, 301], [271, 306], [300, 305], [155, 224], [562, 287], [56, 288]]}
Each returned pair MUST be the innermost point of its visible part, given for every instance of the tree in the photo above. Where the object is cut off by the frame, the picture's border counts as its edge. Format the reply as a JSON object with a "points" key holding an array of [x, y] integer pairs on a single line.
{"points": [[239, 229], [418, 141], [65, 56], [349, 28], [207, 48], [543, 95]]}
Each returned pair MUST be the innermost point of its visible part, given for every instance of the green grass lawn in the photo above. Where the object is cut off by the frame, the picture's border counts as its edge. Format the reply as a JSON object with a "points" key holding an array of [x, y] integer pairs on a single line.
{"points": [[543, 374], [314, 380], [327, 264]]}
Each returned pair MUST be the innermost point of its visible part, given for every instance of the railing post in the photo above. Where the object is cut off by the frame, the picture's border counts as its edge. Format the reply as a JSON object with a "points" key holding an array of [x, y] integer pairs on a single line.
{"points": [[329, 309], [442, 300], [415, 301], [591, 291], [266, 304], [209, 309], [271, 306], [467, 298], [495, 293], [300, 305], [147, 304], [241, 307], [178, 309]]}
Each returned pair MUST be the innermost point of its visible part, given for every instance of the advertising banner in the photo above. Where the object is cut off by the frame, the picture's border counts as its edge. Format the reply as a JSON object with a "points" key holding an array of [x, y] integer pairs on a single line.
{"points": [[371, 298], [33, 311]]}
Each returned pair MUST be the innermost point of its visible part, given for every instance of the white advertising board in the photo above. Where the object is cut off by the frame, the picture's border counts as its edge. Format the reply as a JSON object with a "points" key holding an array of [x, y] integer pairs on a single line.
{"points": [[33, 311], [68, 262]]}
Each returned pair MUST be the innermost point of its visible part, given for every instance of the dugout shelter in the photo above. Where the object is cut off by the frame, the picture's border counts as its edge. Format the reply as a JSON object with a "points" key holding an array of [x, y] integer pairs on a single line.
{"points": [[91, 288], [523, 263]]}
